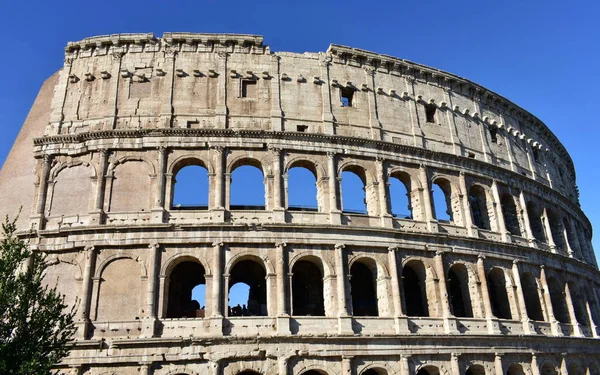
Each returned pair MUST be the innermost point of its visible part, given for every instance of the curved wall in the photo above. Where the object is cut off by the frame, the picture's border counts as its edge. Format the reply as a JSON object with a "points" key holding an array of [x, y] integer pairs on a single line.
{"points": [[507, 283]]}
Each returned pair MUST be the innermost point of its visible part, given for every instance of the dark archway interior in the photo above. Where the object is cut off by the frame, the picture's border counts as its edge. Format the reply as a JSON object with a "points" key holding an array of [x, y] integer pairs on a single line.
{"points": [[515, 369], [475, 370], [252, 274], [557, 298], [509, 211], [498, 294], [535, 222], [314, 372], [458, 288], [478, 203], [184, 277], [307, 289], [415, 297], [363, 291], [373, 371], [249, 372], [532, 299]]}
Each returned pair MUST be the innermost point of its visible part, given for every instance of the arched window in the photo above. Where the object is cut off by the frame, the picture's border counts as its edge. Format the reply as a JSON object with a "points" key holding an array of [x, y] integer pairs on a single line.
{"points": [[475, 370], [363, 289], [184, 280], [302, 189], [579, 306], [535, 222], [557, 231], [254, 276], [247, 188], [249, 372], [498, 294], [515, 369], [478, 203], [458, 291], [509, 211], [428, 370], [374, 371], [415, 289], [548, 369], [353, 191], [442, 200], [399, 192], [190, 189], [557, 298], [71, 192], [314, 372], [307, 289], [532, 298]]}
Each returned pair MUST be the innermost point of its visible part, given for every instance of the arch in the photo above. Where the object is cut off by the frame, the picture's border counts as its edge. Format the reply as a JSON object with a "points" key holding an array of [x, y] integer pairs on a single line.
{"points": [[303, 162], [530, 289], [575, 369], [63, 275], [189, 159], [458, 291], [535, 222], [377, 368], [363, 287], [509, 211], [102, 265], [191, 188], [182, 279], [374, 371], [549, 369], [249, 255], [131, 185], [59, 167], [556, 229], [251, 271], [324, 265], [479, 207], [249, 372], [250, 192], [475, 370], [307, 288], [428, 370], [497, 286], [302, 189], [579, 307], [399, 191], [515, 369], [118, 272], [71, 190], [441, 199], [557, 299], [129, 158], [174, 260], [414, 278], [351, 192]]}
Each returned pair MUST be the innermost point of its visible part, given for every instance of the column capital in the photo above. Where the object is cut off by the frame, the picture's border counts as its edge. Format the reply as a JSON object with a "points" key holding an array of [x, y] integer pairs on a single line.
{"points": [[89, 248], [281, 245], [392, 249], [480, 257], [331, 154], [217, 244], [154, 245], [339, 246]]}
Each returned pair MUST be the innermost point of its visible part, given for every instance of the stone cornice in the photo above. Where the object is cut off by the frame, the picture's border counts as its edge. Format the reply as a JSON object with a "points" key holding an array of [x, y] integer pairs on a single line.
{"points": [[464, 162]]}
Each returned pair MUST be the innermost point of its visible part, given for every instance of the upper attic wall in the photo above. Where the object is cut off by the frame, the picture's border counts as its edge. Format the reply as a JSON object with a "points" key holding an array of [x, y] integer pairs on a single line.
{"points": [[214, 81]]}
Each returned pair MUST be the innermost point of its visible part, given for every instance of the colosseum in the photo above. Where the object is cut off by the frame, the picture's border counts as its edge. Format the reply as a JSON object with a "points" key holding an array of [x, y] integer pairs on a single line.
{"points": [[502, 280]]}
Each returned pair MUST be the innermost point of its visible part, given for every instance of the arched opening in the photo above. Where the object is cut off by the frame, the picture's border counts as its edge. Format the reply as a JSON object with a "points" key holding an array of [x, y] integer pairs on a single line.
{"points": [[458, 291], [374, 371], [515, 369], [414, 288], [475, 370], [532, 298], [478, 203], [399, 193], [249, 372], [70, 195], [353, 191], [363, 289], [557, 231], [549, 369], [302, 189], [535, 222], [314, 372], [252, 274], [442, 200], [579, 306], [190, 188], [186, 278], [509, 211], [428, 370], [307, 289], [247, 188], [575, 370], [498, 294], [557, 298]]}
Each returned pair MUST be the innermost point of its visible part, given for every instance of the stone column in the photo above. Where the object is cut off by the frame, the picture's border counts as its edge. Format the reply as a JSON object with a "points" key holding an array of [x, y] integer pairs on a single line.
{"points": [[38, 219], [344, 315], [573, 241], [166, 107], [527, 328], [146, 369], [556, 330], [97, 212], [217, 272], [401, 325], [548, 230], [328, 120], [499, 370], [564, 368], [383, 192], [374, 123], [282, 365], [535, 367], [276, 113], [346, 365], [283, 321], [588, 307], [278, 210], [449, 322], [153, 261], [159, 203], [404, 365], [499, 213], [492, 322], [571, 309], [454, 364], [334, 209], [426, 208], [526, 221], [466, 209], [86, 292], [221, 110]]}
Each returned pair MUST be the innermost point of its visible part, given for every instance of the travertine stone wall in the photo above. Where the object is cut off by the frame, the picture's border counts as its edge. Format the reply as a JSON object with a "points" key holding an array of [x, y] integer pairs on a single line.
{"points": [[508, 285]]}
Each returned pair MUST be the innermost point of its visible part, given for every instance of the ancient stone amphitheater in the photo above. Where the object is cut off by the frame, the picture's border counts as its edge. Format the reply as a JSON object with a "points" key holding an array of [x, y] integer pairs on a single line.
{"points": [[503, 281]]}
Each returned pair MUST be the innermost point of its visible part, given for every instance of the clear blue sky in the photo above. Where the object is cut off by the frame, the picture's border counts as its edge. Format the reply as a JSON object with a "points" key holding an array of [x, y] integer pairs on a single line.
{"points": [[543, 55]]}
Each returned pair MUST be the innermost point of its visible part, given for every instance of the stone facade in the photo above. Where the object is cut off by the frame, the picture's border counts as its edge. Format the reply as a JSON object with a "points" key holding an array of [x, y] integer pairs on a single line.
{"points": [[507, 285]]}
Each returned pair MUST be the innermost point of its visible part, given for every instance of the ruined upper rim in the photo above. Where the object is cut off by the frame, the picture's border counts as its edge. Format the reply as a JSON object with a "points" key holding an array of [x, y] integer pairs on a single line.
{"points": [[169, 39]]}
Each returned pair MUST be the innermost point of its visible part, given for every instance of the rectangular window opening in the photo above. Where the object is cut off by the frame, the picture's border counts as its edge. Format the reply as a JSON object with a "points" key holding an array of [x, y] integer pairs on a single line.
{"points": [[347, 96], [536, 154], [248, 88], [302, 128], [430, 113], [494, 134]]}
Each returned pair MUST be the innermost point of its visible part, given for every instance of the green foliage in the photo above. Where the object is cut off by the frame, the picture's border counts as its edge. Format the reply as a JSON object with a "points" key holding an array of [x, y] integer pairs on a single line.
{"points": [[35, 327]]}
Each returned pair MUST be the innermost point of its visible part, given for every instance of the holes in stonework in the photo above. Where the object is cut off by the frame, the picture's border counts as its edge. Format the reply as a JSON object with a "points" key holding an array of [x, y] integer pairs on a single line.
{"points": [[471, 155], [430, 110], [536, 154], [301, 128], [493, 134], [248, 88], [347, 96]]}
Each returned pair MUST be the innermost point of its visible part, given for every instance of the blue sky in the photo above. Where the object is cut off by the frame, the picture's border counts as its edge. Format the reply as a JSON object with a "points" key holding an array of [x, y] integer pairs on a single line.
{"points": [[543, 55]]}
